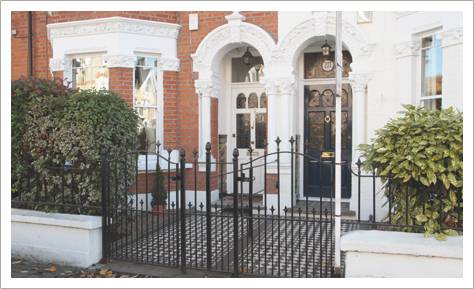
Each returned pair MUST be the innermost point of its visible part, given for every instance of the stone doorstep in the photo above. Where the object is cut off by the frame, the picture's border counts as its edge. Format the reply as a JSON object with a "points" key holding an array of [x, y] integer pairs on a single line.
{"points": [[258, 201]]}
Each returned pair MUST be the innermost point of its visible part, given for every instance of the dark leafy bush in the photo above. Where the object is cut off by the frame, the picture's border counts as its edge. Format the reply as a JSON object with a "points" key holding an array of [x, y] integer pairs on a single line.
{"points": [[72, 132], [25, 92], [422, 152]]}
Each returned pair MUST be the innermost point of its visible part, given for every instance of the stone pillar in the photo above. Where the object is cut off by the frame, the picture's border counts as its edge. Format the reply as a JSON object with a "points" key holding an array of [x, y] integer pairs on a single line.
{"points": [[452, 61], [280, 92], [359, 82], [205, 91]]}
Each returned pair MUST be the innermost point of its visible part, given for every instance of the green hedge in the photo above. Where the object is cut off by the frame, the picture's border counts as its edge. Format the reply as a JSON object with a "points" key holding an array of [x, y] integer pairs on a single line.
{"points": [[422, 152], [75, 128], [25, 92]]}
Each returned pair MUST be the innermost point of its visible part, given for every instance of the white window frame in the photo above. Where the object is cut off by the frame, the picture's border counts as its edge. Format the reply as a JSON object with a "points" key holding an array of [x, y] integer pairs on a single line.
{"points": [[88, 54], [152, 157], [435, 32]]}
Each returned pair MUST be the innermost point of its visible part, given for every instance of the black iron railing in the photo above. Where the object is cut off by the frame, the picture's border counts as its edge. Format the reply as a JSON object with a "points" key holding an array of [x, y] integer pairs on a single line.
{"points": [[240, 217]]}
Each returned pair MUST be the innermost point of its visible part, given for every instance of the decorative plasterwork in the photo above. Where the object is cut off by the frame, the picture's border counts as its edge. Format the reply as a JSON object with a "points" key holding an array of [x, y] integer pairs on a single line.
{"points": [[120, 60], [288, 48], [452, 36], [359, 81], [408, 48], [56, 64], [226, 37], [169, 64], [113, 25], [206, 88], [285, 85]]}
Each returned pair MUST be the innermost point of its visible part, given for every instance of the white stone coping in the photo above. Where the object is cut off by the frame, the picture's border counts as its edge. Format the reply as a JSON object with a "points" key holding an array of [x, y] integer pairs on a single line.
{"points": [[401, 243], [115, 24], [56, 219]]}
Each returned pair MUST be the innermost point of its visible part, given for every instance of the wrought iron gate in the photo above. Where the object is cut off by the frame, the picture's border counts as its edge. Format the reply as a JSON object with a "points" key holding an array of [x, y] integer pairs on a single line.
{"points": [[263, 232]]}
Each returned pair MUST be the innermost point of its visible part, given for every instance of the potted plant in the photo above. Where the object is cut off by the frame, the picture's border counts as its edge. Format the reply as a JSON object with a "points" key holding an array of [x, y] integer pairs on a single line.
{"points": [[158, 201]]}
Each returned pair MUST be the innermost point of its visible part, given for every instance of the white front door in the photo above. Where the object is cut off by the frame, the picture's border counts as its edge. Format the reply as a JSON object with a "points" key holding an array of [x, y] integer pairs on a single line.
{"points": [[249, 129]]}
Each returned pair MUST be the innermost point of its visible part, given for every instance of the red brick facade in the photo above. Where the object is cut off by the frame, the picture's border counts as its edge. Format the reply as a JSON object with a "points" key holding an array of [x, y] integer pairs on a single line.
{"points": [[121, 82], [181, 115]]}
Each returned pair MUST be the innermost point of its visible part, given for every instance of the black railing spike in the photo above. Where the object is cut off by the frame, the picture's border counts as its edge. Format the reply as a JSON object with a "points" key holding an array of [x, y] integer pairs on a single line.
{"points": [[235, 153], [285, 209], [169, 150], [182, 153], [158, 144], [208, 146], [292, 140], [195, 153], [190, 205], [172, 205], [201, 205], [278, 141], [250, 151], [358, 163]]}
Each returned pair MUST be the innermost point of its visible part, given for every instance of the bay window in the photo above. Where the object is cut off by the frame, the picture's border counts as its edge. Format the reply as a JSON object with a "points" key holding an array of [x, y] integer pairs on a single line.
{"points": [[431, 71]]}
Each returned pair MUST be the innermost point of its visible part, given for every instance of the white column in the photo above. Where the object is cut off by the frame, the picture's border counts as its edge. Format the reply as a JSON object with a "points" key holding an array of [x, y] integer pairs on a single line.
{"points": [[452, 74], [280, 94], [204, 90], [358, 83]]}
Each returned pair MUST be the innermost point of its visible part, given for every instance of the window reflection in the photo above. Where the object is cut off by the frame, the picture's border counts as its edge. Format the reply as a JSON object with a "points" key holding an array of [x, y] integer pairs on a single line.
{"points": [[90, 72], [145, 93]]}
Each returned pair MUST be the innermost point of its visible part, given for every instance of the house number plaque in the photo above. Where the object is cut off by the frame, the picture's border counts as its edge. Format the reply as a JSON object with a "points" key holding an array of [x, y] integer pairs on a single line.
{"points": [[327, 65]]}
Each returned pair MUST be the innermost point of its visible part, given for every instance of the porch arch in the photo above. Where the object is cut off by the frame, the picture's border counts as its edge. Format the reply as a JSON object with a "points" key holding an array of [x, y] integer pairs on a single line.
{"points": [[208, 57]]}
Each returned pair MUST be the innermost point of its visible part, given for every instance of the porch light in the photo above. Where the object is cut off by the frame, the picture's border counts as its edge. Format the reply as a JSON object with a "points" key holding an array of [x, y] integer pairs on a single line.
{"points": [[247, 58], [326, 48]]}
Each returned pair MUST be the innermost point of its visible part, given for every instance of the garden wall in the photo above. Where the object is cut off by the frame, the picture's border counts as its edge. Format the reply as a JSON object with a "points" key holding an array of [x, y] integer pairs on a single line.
{"points": [[74, 240], [397, 254]]}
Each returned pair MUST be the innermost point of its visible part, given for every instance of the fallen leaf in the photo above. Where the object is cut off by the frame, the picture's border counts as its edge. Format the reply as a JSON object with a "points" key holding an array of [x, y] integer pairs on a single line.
{"points": [[53, 268]]}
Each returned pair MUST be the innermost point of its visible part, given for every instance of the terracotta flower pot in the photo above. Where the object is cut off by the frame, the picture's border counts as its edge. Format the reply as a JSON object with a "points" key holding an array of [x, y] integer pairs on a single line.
{"points": [[159, 209]]}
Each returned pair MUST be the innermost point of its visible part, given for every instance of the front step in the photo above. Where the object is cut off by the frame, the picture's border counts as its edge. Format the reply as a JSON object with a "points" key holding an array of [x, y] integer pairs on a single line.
{"points": [[326, 205], [228, 202]]}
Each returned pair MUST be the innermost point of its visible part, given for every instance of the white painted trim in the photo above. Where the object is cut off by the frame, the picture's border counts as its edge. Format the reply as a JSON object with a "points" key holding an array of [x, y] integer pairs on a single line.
{"points": [[388, 242], [56, 219], [112, 25]]}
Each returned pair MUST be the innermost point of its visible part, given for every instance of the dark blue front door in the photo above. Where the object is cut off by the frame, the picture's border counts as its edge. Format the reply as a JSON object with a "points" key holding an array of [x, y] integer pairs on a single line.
{"points": [[319, 139]]}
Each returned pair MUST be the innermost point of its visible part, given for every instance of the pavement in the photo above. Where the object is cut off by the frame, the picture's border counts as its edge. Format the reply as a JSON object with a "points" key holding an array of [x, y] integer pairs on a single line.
{"points": [[24, 268]]}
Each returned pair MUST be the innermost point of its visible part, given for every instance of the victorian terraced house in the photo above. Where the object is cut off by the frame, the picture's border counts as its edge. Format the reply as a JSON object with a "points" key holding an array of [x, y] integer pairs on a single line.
{"points": [[242, 79]]}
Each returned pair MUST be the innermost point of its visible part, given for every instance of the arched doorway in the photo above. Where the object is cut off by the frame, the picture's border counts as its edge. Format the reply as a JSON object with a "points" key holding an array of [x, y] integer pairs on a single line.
{"points": [[316, 123], [243, 110]]}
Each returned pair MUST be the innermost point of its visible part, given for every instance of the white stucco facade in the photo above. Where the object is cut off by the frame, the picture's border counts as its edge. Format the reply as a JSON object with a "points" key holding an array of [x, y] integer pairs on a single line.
{"points": [[385, 73]]}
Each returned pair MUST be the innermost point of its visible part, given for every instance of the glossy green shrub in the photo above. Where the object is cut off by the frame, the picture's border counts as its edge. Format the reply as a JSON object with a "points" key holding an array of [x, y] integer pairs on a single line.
{"points": [[422, 153]]}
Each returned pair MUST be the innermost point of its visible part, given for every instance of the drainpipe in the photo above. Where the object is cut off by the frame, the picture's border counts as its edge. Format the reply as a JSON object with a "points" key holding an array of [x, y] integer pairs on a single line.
{"points": [[30, 43]]}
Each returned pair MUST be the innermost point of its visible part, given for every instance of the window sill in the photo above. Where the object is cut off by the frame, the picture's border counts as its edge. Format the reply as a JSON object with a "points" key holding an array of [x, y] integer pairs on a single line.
{"points": [[148, 163]]}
